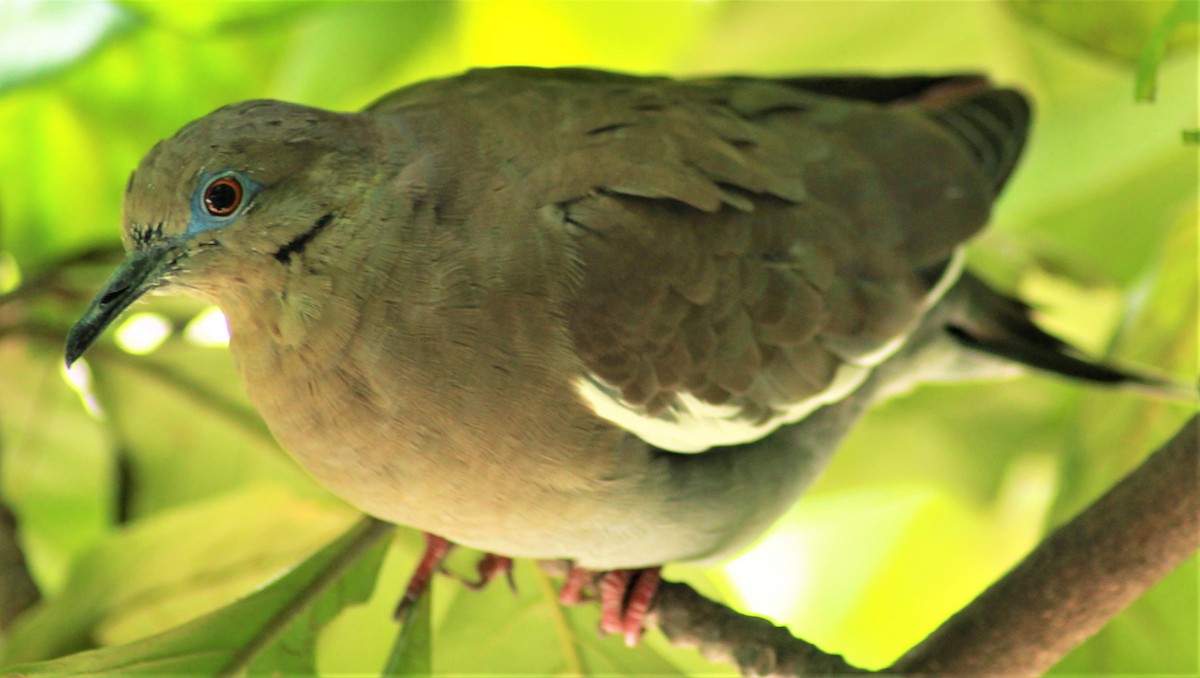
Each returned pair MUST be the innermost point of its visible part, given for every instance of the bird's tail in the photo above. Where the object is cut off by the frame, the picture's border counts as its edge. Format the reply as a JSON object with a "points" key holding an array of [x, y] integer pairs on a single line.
{"points": [[993, 125], [991, 122], [1002, 326]]}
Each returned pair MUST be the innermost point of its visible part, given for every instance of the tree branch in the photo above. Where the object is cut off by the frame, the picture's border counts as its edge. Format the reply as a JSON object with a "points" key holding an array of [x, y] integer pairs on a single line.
{"points": [[1074, 582], [1079, 577], [753, 644]]}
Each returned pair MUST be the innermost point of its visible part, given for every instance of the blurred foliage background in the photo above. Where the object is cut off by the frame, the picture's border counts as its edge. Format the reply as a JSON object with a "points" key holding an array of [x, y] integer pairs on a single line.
{"points": [[142, 491]]}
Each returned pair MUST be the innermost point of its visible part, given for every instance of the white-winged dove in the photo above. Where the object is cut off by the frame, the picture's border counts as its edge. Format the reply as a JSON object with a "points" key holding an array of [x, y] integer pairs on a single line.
{"points": [[569, 314]]}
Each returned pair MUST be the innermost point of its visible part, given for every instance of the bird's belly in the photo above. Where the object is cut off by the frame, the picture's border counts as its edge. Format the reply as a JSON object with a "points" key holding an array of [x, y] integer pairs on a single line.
{"points": [[497, 502], [515, 479]]}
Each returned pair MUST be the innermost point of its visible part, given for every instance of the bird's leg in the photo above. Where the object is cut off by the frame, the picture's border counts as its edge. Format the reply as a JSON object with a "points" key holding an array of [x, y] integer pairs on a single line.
{"points": [[436, 550], [626, 597]]}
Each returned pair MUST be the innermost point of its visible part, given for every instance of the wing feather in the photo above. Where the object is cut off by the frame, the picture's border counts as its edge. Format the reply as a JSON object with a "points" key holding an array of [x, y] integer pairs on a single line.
{"points": [[793, 290], [747, 249]]}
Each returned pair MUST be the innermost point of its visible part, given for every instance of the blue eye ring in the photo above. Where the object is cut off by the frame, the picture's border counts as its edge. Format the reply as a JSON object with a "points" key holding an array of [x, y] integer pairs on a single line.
{"points": [[223, 196], [220, 198]]}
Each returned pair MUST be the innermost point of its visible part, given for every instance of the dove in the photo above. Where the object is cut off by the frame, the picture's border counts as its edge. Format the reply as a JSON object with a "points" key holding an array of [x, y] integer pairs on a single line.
{"points": [[570, 314]]}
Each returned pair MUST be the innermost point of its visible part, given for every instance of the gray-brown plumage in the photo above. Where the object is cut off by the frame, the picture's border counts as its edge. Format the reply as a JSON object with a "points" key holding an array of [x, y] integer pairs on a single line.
{"points": [[495, 307]]}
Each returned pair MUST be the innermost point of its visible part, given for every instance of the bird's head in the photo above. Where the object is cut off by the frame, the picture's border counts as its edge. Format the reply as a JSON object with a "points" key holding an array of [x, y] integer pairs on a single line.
{"points": [[228, 198]]}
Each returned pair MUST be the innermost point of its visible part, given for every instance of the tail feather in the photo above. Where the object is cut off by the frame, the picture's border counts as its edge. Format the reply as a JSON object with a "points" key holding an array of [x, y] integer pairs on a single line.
{"points": [[993, 125], [992, 122], [1001, 326]]}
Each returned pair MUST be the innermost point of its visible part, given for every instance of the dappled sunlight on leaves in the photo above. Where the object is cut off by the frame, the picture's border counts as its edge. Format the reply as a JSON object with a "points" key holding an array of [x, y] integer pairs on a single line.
{"points": [[208, 329], [38, 37], [142, 333]]}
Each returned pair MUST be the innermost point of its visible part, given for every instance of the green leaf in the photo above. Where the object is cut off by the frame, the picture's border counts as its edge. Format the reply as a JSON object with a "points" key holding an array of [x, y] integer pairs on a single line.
{"points": [[56, 462], [412, 654], [216, 442], [273, 630], [530, 633], [343, 574], [163, 571]]}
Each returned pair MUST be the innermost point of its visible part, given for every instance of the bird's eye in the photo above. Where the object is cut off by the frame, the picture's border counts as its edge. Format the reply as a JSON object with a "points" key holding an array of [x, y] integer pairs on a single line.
{"points": [[223, 196]]}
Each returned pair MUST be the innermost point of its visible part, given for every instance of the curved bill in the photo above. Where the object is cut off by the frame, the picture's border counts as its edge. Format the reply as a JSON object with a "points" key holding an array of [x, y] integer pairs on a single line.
{"points": [[141, 271]]}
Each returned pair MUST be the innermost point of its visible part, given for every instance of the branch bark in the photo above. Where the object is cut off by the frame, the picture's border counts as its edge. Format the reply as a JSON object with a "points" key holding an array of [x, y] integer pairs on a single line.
{"points": [[754, 645], [1074, 582], [1080, 576]]}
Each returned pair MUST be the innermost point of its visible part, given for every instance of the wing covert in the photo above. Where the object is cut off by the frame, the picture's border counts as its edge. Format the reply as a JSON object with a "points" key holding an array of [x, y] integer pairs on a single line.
{"points": [[706, 321], [747, 250]]}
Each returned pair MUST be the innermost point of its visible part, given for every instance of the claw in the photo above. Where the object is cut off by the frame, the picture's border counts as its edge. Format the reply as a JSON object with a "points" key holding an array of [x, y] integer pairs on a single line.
{"points": [[490, 567]]}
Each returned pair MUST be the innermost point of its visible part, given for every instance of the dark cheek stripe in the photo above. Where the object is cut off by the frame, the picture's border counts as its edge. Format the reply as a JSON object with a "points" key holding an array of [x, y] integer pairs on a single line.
{"points": [[297, 245]]}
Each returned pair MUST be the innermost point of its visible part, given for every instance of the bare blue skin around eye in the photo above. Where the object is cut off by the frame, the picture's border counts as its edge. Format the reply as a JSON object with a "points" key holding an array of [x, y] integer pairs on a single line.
{"points": [[203, 221]]}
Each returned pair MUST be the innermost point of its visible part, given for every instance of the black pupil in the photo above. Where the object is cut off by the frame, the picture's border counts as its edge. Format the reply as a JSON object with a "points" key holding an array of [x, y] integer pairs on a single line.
{"points": [[221, 197]]}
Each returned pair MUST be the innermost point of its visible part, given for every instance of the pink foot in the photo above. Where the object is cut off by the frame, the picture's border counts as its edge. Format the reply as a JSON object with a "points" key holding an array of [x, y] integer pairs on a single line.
{"points": [[613, 586], [626, 597], [638, 601], [436, 550], [578, 579]]}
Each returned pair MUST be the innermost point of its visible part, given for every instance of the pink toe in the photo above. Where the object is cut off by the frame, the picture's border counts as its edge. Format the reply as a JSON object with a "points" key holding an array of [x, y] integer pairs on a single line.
{"points": [[613, 586]]}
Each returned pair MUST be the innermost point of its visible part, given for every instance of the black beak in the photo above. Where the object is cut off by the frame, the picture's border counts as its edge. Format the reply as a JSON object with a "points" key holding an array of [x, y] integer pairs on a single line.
{"points": [[141, 271]]}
